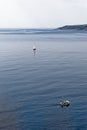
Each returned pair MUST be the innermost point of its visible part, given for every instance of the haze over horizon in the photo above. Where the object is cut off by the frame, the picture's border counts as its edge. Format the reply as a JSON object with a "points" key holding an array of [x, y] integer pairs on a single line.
{"points": [[42, 13]]}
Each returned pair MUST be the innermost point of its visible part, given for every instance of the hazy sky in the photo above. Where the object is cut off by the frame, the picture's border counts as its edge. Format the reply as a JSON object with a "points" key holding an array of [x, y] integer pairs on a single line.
{"points": [[42, 13]]}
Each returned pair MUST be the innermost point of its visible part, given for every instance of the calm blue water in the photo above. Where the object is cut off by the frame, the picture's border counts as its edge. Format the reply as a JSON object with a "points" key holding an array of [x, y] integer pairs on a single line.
{"points": [[31, 85]]}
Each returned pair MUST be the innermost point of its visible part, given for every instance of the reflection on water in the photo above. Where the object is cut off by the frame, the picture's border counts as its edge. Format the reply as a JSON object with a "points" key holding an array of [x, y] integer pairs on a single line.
{"points": [[34, 51], [31, 87]]}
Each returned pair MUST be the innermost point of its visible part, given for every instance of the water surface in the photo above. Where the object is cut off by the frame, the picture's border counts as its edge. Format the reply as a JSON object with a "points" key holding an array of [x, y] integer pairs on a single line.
{"points": [[31, 85]]}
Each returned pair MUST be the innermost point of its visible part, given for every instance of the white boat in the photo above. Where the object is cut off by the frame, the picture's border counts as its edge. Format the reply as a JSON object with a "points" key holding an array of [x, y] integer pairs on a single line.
{"points": [[64, 103], [34, 47]]}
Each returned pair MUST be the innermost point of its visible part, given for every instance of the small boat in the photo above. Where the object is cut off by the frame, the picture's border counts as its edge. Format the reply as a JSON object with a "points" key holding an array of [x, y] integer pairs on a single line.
{"points": [[64, 103], [34, 47]]}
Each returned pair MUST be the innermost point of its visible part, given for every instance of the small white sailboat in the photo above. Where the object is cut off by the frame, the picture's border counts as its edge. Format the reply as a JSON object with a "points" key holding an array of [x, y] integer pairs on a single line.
{"points": [[34, 47]]}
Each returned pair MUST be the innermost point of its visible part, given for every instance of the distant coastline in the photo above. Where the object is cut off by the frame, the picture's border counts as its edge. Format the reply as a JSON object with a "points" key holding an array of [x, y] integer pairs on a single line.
{"points": [[67, 28], [74, 27]]}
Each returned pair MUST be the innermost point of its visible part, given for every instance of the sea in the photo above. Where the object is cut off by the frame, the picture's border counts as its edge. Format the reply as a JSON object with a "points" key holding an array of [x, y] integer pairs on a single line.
{"points": [[32, 83]]}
